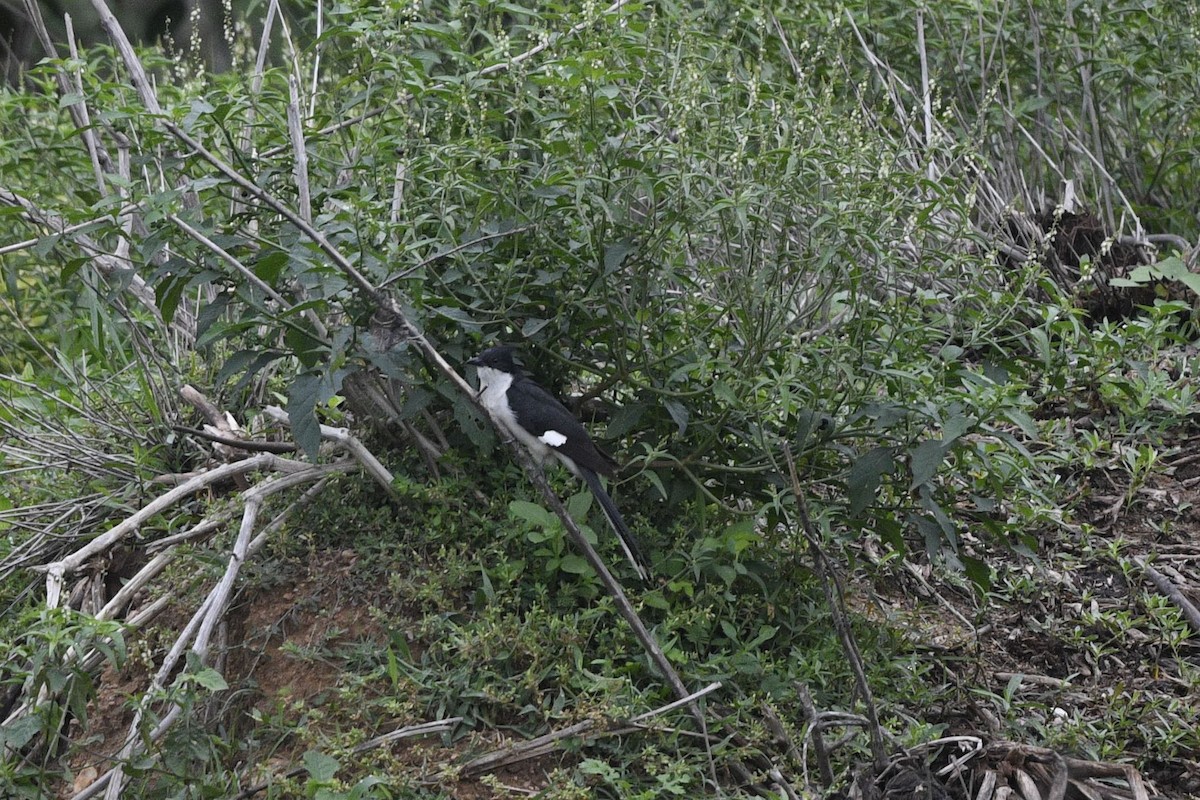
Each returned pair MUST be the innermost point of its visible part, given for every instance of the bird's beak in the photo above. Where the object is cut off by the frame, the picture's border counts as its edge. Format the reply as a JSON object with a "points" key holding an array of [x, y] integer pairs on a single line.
{"points": [[474, 362]]}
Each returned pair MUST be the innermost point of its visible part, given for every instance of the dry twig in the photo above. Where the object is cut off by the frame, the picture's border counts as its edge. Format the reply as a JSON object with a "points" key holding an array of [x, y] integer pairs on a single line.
{"points": [[834, 596], [1171, 592], [589, 730]]}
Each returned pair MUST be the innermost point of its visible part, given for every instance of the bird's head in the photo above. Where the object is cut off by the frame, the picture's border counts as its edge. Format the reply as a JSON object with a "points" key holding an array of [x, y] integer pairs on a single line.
{"points": [[501, 358]]}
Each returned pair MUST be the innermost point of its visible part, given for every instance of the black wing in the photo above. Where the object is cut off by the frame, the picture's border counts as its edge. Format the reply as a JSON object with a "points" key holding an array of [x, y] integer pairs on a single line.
{"points": [[538, 411]]}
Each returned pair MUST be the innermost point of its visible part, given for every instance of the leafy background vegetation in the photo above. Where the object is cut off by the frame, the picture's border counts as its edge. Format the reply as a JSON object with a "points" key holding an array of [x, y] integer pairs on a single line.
{"points": [[734, 235]]}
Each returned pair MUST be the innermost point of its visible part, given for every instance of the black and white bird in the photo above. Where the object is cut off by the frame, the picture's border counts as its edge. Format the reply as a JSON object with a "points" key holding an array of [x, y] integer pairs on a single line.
{"points": [[545, 426]]}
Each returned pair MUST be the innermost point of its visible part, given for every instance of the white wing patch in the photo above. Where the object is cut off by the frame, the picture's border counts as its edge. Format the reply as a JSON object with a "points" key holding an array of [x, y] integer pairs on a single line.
{"points": [[553, 438]]}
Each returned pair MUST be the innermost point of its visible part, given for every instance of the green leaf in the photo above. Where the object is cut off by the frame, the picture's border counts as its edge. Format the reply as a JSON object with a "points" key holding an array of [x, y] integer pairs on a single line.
{"points": [[574, 564], [624, 419], [725, 572], [1170, 267], [1023, 421], [765, 634], [305, 344], [210, 679], [16, 735], [740, 535], [926, 458], [891, 533], [655, 599], [1192, 281], [270, 266], [458, 315], [321, 767], [977, 571], [956, 426], [615, 255], [199, 108], [70, 267], [531, 513], [532, 326], [363, 788], [301, 409], [806, 421], [209, 314], [167, 294], [679, 414], [940, 517], [578, 505], [249, 361], [865, 475]]}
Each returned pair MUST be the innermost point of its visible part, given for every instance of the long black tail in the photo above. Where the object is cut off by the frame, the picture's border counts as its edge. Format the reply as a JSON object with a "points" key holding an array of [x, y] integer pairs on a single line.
{"points": [[633, 550]]}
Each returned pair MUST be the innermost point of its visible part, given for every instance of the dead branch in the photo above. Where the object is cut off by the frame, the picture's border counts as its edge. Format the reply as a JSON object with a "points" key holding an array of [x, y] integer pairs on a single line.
{"points": [[425, 729], [223, 254], [200, 628], [101, 161], [57, 570], [1040, 772], [1171, 592], [249, 445], [815, 736], [691, 698], [835, 598], [370, 464], [539, 746], [108, 264], [588, 729], [1042, 680], [458, 248]]}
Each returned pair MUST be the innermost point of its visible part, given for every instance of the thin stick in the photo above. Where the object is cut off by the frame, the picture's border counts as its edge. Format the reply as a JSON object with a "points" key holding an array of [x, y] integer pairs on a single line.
{"points": [[104, 261], [486, 71], [27, 243], [83, 117], [834, 596], [137, 73], [210, 612], [56, 570], [533, 51], [316, 67], [78, 111], [232, 261], [299, 151], [691, 698], [447, 253], [539, 746], [1171, 592], [424, 729], [523, 751], [815, 736], [926, 95], [371, 465], [250, 445], [1089, 109], [160, 678], [611, 585]]}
